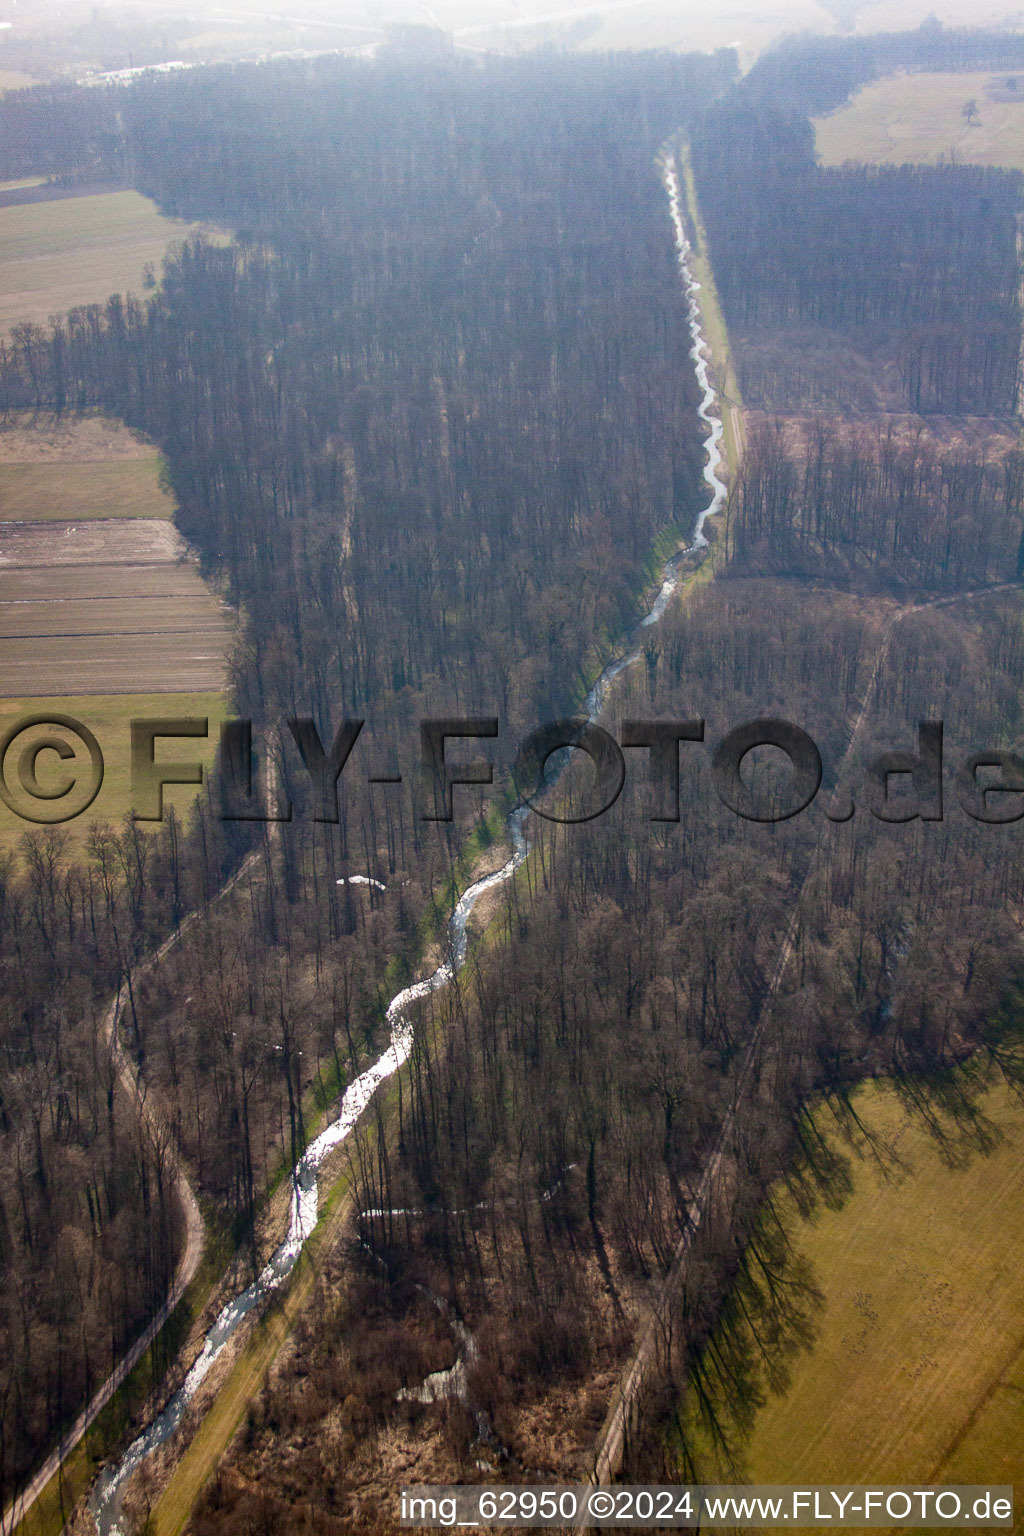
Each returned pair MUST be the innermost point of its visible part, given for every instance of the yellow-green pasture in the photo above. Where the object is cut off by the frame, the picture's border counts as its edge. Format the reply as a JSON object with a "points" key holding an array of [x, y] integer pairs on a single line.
{"points": [[917, 1373], [70, 492], [920, 118], [78, 250], [109, 718]]}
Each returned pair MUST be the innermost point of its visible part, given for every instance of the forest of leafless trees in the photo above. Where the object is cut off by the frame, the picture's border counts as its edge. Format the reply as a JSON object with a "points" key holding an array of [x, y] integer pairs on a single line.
{"points": [[428, 419], [426, 434]]}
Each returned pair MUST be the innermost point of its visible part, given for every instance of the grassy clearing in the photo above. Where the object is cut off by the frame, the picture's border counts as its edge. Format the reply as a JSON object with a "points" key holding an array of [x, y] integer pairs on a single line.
{"points": [[69, 492], [904, 119], [109, 717], [78, 250], [917, 1373], [13, 80]]}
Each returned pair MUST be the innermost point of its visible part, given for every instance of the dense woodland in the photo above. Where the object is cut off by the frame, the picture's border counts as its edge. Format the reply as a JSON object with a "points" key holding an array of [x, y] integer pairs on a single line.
{"points": [[425, 421], [858, 287], [563, 1098], [882, 509], [89, 1225], [462, 370], [428, 418]]}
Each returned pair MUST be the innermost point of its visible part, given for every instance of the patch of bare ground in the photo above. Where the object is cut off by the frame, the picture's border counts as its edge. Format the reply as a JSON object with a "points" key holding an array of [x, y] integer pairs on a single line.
{"points": [[40, 437], [327, 1430], [329, 1437]]}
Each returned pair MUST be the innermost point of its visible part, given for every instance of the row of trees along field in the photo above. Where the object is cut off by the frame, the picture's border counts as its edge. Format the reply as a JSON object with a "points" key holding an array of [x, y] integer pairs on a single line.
{"points": [[815, 74], [856, 286], [424, 420], [71, 133]]}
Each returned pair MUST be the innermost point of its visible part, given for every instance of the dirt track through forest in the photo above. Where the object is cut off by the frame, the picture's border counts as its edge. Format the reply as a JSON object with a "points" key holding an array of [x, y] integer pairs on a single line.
{"points": [[195, 1230]]}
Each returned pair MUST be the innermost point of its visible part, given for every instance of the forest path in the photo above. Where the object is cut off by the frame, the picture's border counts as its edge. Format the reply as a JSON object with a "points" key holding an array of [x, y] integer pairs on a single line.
{"points": [[611, 1443], [195, 1228]]}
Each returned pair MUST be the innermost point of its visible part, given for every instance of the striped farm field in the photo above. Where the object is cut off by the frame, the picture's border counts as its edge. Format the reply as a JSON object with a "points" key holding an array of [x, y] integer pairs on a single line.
{"points": [[72, 468], [104, 615], [106, 606]]}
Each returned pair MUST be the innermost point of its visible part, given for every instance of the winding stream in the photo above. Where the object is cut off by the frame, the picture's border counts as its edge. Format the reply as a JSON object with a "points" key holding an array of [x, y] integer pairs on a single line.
{"points": [[105, 1499]]}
